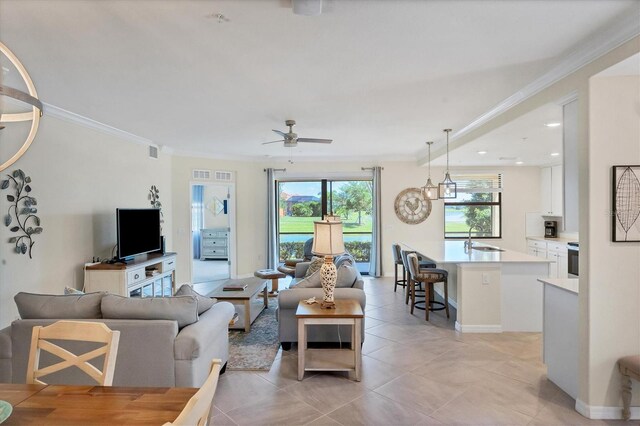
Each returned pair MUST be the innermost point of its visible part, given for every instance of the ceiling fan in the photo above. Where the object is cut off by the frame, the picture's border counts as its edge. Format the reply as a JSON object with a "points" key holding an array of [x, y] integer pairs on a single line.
{"points": [[291, 139]]}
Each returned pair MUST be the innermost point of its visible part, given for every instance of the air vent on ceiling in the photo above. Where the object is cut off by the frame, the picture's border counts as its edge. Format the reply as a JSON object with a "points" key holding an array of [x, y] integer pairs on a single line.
{"points": [[224, 176], [153, 151], [201, 174]]}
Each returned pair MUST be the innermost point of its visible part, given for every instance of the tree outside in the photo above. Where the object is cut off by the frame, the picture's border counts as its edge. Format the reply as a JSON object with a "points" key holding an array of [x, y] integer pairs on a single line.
{"points": [[353, 197], [479, 217]]}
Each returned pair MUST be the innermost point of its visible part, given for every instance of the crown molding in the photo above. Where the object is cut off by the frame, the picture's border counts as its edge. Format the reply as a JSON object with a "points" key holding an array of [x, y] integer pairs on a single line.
{"points": [[72, 117]]}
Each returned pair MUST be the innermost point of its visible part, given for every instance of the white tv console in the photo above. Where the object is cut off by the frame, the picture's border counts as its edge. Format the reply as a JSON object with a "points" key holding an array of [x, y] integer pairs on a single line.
{"points": [[131, 279]]}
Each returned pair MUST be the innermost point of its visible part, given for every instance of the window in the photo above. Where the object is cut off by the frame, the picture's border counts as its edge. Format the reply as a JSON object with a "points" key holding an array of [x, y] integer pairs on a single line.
{"points": [[303, 202], [478, 207]]}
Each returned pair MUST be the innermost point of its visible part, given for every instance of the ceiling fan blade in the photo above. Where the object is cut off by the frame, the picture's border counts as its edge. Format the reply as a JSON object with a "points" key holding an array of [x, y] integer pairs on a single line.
{"points": [[313, 140], [283, 134], [267, 143]]}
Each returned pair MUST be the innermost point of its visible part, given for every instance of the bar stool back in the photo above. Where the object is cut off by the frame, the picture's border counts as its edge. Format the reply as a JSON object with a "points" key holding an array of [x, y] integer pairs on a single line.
{"points": [[397, 260], [428, 276]]}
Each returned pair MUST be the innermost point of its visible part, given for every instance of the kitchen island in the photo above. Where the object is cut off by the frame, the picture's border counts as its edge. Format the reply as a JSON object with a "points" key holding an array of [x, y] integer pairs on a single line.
{"points": [[493, 289], [560, 333]]}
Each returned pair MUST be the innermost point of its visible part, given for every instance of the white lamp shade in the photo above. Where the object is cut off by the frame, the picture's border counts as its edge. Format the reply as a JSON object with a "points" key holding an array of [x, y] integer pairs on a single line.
{"points": [[327, 238]]}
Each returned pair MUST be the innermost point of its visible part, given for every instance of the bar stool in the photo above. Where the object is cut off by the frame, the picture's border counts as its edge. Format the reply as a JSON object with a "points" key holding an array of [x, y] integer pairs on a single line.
{"points": [[405, 262], [397, 259], [429, 277]]}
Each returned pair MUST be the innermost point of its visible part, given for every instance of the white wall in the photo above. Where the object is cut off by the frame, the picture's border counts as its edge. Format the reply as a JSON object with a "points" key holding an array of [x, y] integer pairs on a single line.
{"points": [[249, 207], [212, 220], [614, 273], [80, 177], [521, 195]]}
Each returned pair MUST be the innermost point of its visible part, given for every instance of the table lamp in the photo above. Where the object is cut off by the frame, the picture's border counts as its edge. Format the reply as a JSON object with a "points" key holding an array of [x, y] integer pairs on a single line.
{"points": [[327, 242]]}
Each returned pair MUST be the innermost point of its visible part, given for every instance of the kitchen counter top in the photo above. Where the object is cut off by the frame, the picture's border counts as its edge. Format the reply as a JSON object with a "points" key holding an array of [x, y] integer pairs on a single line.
{"points": [[560, 240], [569, 284], [454, 252]]}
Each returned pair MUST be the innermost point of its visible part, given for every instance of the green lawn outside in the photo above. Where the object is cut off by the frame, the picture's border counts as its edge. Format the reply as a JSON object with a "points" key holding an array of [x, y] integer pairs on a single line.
{"points": [[291, 224]]}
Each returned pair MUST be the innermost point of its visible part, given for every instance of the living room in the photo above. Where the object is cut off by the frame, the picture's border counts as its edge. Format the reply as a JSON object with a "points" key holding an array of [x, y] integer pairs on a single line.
{"points": [[115, 82]]}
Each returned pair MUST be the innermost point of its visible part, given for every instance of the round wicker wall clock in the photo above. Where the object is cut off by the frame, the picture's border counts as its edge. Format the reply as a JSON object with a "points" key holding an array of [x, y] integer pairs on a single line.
{"points": [[412, 207]]}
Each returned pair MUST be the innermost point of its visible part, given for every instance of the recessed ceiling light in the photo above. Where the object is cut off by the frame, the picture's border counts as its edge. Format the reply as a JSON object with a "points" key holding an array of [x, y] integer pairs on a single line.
{"points": [[555, 154], [553, 124], [519, 162], [482, 152]]}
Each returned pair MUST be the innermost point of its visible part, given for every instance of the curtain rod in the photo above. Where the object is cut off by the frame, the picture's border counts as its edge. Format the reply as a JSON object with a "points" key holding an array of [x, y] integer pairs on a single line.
{"points": [[276, 170], [370, 168]]}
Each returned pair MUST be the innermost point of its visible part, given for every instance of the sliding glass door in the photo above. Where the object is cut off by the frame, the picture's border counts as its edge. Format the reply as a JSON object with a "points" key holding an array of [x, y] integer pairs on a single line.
{"points": [[303, 202]]}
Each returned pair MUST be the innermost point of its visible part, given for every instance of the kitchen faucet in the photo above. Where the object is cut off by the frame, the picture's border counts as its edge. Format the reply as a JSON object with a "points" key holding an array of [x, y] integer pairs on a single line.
{"points": [[468, 243]]}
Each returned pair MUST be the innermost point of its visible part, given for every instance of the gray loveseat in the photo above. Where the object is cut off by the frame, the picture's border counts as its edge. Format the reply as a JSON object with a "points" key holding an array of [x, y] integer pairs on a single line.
{"points": [[288, 303], [151, 352]]}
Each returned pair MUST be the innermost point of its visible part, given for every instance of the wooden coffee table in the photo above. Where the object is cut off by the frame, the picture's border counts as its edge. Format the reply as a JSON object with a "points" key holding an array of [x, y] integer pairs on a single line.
{"points": [[249, 299], [347, 312]]}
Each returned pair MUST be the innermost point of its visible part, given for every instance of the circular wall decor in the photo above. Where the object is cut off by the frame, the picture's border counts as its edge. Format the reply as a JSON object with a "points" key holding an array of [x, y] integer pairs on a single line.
{"points": [[412, 207], [30, 98]]}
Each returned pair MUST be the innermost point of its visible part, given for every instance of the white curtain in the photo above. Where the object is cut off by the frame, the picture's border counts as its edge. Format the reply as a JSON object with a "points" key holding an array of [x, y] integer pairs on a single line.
{"points": [[375, 262], [272, 216], [197, 217]]}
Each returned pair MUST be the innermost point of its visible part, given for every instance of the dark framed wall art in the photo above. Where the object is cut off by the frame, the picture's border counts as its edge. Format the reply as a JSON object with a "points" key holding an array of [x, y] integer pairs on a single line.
{"points": [[626, 204]]}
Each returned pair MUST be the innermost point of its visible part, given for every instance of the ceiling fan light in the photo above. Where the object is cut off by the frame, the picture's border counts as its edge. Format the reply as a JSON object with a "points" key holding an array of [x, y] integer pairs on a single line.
{"points": [[307, 7]]}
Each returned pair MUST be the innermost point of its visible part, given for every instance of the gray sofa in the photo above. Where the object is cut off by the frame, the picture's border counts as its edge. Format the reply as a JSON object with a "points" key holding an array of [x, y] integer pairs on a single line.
{"points": [[288, 303], [151, 352]]}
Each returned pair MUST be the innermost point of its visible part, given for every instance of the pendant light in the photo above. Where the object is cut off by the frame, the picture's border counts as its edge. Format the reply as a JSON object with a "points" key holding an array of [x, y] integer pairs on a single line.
{"points": [[447, 188], [430, 190]]}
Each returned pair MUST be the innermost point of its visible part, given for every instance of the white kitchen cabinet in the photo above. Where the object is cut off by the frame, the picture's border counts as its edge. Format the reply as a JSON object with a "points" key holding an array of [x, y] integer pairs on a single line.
{"points": [[551, 191], [557, 252], [537, 248]]}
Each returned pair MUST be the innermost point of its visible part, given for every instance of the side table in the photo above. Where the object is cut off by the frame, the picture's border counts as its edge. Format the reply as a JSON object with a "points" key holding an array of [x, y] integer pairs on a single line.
{"points": [[273, 275], [347, 312]]}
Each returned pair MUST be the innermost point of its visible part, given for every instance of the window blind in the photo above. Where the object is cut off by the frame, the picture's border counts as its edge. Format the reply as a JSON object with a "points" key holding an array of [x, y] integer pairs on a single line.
{"points": [[470, 183]]}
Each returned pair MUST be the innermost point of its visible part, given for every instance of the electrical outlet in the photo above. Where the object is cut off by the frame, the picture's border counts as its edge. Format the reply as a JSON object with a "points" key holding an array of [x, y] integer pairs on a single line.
{"points": [[485, 279]]}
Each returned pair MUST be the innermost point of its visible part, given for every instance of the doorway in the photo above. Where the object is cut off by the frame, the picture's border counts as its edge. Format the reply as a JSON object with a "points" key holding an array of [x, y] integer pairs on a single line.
{"points": [[212, 225]]}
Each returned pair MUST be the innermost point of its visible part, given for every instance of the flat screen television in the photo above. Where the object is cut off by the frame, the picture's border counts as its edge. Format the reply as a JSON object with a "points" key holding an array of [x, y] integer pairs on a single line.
{"points": [[138, 232]]}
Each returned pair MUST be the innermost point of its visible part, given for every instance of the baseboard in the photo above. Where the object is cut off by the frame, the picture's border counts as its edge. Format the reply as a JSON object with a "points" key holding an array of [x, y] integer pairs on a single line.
{"points": [[451, 302], [604, 413], [478, 328]]}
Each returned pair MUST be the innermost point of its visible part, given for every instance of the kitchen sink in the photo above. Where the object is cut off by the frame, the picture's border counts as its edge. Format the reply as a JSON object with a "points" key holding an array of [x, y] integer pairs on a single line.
{"points": [[487, 248]]}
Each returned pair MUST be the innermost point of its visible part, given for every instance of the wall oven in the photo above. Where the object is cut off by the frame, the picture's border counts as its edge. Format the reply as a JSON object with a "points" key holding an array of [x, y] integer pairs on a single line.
{"points": [[573, 252]]}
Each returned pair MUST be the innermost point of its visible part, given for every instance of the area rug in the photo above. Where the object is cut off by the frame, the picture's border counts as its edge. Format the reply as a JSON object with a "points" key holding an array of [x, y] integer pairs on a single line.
{"points": [[256, 349]]}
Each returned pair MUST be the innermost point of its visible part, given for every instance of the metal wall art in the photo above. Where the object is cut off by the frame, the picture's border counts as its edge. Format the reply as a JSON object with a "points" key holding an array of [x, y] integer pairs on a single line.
{"points": [[626, 204], [21, 216], [154, 199]]}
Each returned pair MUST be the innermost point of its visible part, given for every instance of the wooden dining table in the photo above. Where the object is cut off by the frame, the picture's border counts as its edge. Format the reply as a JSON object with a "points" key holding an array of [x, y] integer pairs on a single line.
{"points": [[92, 405]]}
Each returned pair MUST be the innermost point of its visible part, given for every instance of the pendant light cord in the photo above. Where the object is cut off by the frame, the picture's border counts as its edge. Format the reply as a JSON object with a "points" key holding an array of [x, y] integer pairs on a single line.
{"points": [[429, 143], [447, 131]]}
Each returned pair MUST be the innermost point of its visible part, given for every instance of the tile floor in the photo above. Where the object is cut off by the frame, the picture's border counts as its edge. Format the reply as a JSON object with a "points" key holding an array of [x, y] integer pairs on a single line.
{"points": [[414, 373]]}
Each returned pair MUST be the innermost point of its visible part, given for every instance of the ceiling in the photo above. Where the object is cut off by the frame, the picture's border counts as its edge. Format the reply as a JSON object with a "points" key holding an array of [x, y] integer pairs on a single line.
{"points": [[525, 141], [378, 77]]}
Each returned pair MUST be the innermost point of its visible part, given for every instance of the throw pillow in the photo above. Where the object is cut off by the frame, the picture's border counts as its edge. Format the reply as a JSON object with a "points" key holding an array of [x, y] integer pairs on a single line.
{"points": [[312, 281], [51, 306], [204, 303], [183, 309], [314, 266], [347, 275], [344, 259], [71, 290]]}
